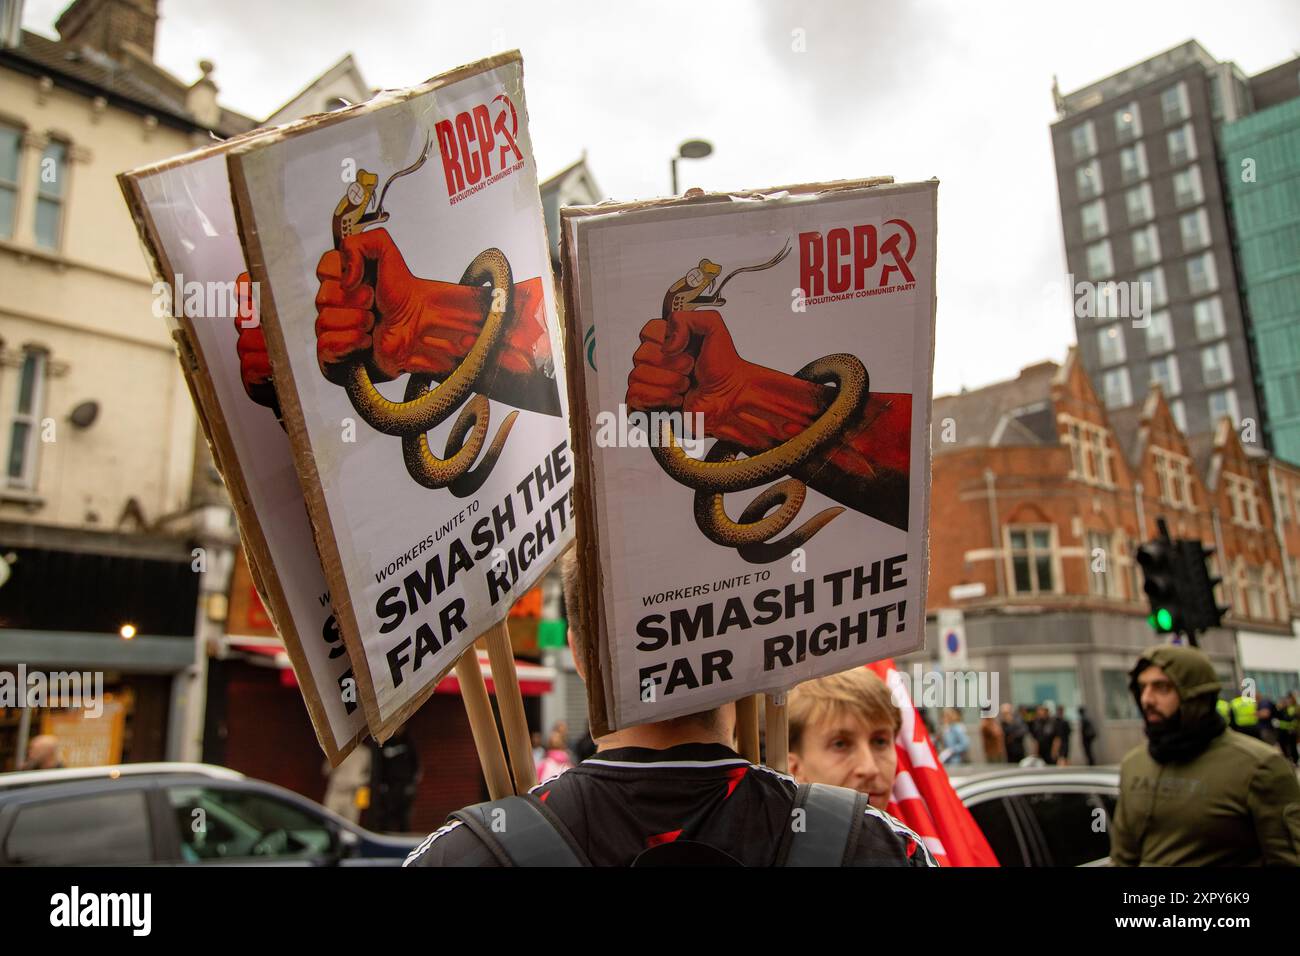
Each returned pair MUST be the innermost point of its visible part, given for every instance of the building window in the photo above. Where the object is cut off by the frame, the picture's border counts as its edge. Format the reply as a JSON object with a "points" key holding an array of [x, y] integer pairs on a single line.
{"points": [[1083, 140], [1174, 106], [1129, 560], [1153, 287], [1208, 314], [1087, 179], [1128, 123], [24, 426], [1110, 345], [50, 191], [1032, 559], [1182, 145], [1275, 594], [1253, 585], [1164, 372], [1093, 218], [1224, 404], [1103, 575], [1195, 229], [1138, 203], [1133, 163], [1216, 364], [1146, 245], [1243, 493], [1120, 704], [1115, 388], [1188, 190], [11, 140], [1160, 334], [1202, 277], [1174, 477], [1100, 263], [1091, 457], [1179, 412]]}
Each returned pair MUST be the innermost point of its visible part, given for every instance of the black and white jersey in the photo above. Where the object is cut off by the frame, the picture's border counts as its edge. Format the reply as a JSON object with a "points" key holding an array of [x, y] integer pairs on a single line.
{"points": [[622, 802]]}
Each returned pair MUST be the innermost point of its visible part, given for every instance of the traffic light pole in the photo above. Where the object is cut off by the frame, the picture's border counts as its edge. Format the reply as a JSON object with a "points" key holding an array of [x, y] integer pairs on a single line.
{"points": [[1178, 585]]}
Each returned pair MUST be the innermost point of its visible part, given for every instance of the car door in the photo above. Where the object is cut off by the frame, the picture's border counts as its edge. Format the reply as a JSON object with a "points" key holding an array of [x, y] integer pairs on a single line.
{"points": [[1004, 827], [1069, 827], [105, 827], [216, 823]]}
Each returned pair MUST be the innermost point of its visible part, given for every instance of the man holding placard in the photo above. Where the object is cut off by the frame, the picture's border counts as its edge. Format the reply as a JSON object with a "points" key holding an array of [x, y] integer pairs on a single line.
{"points": [[671, 792]]}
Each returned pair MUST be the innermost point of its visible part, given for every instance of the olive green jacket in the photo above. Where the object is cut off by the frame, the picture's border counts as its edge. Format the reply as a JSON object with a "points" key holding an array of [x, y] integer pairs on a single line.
{"points": [[1235, 804]]}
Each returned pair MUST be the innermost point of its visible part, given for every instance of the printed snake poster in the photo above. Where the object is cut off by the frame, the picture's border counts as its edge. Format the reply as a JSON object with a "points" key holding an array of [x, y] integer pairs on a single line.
{"points": [[183, 210], [752, 421], [410, 320]]}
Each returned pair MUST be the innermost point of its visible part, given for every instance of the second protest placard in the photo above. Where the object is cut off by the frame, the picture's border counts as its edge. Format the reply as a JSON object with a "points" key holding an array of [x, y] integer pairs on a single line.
{"points": [[410, 319], [751, 394]]}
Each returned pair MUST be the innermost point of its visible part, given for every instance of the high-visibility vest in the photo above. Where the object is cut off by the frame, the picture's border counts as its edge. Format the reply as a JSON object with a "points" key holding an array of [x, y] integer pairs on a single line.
{"points": [[1221, 706], [1286, 721], [1243, 711]]}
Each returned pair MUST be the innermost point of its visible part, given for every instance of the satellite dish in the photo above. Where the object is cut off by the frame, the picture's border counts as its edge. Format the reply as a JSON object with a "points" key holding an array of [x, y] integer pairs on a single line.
{"points": [[84, 415]]}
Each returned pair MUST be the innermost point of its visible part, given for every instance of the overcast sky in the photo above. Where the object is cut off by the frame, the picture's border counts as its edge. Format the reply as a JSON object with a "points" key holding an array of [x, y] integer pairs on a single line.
{"points": [[947, 88]]}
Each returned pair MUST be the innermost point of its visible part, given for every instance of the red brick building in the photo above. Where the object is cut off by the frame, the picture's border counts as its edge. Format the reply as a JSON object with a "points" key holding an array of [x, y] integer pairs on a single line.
{"points": [[1040, 498]]}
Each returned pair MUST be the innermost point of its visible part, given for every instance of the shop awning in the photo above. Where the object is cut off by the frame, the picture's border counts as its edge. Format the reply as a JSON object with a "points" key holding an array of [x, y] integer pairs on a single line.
{"points": [[534, 679]]}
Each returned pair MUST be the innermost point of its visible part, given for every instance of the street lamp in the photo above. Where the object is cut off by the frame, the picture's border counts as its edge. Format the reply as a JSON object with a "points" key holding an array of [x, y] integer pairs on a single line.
{"points": [[691, 149]]}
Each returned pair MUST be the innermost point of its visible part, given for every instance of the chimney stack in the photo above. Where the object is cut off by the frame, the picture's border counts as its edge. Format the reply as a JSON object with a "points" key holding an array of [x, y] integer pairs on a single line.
{"points": [[108, 25], [11, 23]]}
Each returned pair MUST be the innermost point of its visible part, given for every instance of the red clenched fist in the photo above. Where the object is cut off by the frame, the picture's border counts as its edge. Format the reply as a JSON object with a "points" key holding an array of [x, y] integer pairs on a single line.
{"points": [[254, 364], [710, 379], [370, 307], [689, 363]]}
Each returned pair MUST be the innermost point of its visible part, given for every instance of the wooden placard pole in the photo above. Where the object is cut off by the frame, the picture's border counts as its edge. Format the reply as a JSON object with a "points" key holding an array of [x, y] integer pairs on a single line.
{"points": [[778, 733], [483, 725], [747, 727], [510, 700]]}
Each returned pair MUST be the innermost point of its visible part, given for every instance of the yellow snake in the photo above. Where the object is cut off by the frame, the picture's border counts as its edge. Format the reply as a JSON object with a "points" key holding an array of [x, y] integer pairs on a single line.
{"points": [[426, 405], [720, 471]]}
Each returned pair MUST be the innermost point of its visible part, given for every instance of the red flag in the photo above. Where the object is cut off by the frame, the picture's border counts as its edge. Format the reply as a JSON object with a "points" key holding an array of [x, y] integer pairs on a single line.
{"points": [[923, 797]]}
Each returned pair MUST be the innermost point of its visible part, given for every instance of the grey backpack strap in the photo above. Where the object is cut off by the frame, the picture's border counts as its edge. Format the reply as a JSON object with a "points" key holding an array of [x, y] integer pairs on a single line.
{"points": [[832, 819], [520, 831]]}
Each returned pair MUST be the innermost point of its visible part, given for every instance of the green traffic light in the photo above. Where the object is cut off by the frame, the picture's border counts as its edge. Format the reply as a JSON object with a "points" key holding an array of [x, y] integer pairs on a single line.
{"points": [[1164, 620]]}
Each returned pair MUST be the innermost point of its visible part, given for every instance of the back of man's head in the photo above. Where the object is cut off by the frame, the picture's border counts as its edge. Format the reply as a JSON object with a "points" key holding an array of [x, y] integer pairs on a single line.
{"points": [[584, 646]]}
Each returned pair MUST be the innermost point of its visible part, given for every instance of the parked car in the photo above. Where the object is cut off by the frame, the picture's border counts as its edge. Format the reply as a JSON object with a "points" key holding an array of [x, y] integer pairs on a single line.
{"points": [[1042, 816], [175, 814]]}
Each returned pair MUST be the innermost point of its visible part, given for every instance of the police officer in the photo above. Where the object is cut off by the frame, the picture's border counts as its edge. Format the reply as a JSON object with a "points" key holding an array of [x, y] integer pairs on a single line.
{"points": [[1196, 795], [668, 793], [1286, 726], [1245, 715]]}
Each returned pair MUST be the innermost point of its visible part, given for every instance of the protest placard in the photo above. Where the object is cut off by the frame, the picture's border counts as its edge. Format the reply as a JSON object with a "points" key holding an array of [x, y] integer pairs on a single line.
{"points": [[183, 212], [750, 395], [409, 314]]}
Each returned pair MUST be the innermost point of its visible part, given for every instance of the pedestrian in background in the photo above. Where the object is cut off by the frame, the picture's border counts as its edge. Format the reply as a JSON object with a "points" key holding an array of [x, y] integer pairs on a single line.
{"points": [[1014, 732], [956, 742], [394, 775], [1197, 795], [991, 737], [557, 758], [1044, 731], [1062, 730], [43, 753], [1088, 732], [1286, 726], [344, 789]]}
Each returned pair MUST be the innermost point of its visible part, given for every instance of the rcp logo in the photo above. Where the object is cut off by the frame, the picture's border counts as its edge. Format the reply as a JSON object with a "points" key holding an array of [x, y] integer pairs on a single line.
{"points": [[479, 146], [864, 260]]}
